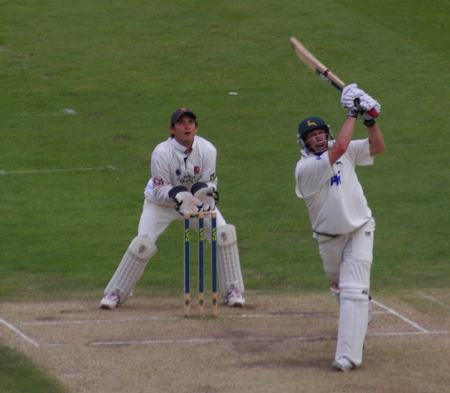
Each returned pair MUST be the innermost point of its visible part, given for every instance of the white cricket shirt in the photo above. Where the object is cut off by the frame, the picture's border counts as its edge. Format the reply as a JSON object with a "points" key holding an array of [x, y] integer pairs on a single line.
{"points": [[332, 193], [172, 165]]}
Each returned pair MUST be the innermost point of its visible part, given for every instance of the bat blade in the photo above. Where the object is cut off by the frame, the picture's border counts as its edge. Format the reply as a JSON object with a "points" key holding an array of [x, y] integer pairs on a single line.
{"points": [[312, 62], [324, 72]]}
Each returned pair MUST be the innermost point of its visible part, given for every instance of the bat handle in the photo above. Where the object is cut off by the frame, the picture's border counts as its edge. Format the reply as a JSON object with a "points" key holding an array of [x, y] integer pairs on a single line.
{"points": [[373, 112]]}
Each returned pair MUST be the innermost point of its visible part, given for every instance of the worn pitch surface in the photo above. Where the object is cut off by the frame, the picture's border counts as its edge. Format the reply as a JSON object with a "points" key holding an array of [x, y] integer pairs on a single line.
{"points": [[274, 344]]}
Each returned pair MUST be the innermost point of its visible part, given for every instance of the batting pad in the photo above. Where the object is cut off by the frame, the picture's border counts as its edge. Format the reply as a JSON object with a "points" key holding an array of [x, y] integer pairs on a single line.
{"points": [[353, 320], [229, 265], [131, 267]]}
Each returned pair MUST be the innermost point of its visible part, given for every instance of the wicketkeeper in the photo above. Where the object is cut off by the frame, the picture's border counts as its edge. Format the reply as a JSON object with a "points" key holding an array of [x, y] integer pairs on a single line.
{"points": [[183, 182], [341, 220]]}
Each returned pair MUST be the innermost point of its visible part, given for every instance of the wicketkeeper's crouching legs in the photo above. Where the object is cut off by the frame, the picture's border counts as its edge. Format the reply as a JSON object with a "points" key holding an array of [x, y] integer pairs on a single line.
{"points": [[130, 269], [231, 284]]}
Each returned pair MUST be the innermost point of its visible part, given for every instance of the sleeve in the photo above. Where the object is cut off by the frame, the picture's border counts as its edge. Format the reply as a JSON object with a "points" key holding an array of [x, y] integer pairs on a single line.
{"points": [[209, 167], [359, 152], [159, 185], [311, 174]]}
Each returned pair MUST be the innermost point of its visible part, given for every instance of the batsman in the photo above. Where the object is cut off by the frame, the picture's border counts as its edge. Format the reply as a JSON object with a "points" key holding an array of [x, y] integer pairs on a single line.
{"points": [[341, 220], [183, 182]]}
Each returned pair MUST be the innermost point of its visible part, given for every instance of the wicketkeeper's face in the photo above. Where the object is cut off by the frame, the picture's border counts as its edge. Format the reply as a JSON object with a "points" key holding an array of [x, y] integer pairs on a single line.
{"points": [[317, 141], [184, 130]]}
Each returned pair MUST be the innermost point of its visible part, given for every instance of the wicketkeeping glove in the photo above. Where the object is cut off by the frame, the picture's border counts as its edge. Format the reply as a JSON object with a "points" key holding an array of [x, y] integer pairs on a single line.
{"points": [[186, 203], [350, 94], [206, 194]]}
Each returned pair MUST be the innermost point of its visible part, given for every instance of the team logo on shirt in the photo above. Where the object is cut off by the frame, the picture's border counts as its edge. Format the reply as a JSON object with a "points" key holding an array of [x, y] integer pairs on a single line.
{"points": [[336, 179], [196, 170], [157, 181], [185, 176]]}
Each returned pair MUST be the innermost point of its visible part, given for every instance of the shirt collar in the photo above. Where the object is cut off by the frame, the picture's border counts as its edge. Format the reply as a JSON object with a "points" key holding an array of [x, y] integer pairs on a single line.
{"points": [[181, 148]]}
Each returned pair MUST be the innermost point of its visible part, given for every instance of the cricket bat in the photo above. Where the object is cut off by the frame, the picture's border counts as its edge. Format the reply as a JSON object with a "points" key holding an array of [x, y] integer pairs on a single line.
{"points": [[323, 71]]}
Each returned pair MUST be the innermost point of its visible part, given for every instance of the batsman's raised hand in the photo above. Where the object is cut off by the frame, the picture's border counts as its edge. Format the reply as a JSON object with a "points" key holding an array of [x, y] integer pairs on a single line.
{"points": [[370, 109], [206, 194], [350, 94], [369, 104]]}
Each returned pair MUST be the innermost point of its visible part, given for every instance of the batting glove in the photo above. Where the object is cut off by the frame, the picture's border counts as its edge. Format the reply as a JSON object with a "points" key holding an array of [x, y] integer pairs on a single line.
{"points": [[206, 194], [369, 104], [353, 112], [370, 109], [368, 120], [350, 95]]}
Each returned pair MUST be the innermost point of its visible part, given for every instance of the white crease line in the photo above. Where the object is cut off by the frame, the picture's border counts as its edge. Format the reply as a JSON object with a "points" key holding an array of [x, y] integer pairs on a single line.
{"points": [[38, 171], [430, 333], [434, 300], [19, 332], [173, 318], [91, 321], [402, 317], [212, 340]]}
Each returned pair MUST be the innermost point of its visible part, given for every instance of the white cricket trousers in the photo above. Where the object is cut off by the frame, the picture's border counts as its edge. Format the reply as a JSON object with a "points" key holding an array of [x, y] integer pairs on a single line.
{"points": [[156, 218], [348, 258]]}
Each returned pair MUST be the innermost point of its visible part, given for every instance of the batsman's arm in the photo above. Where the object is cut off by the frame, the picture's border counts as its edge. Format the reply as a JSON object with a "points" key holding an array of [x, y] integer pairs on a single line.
{"points": [[376, 140], [342, 140]]}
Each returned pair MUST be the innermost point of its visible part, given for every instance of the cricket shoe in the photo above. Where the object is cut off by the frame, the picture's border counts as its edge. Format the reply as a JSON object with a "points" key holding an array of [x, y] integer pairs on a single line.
{"points": [[343, 364], [234, 298], [110, 301]]}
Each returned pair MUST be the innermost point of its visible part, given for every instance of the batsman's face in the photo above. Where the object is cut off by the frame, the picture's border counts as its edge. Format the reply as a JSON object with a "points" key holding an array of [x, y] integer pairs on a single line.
{"points": [[317, 141], [184, 130]]}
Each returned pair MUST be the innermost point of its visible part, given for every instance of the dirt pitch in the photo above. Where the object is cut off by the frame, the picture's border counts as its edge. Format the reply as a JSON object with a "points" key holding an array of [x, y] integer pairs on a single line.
{"points": [[274, 344]]}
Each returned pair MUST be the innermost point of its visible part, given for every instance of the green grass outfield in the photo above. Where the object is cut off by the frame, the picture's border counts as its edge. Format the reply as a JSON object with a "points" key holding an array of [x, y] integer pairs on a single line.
{"points": [[91, 84], [19, 375]]}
